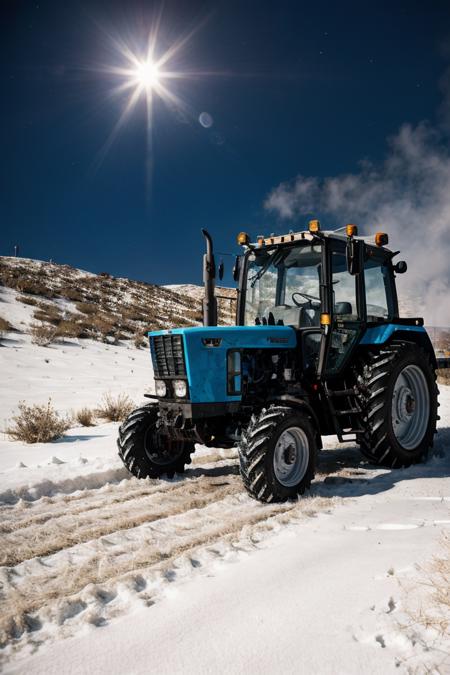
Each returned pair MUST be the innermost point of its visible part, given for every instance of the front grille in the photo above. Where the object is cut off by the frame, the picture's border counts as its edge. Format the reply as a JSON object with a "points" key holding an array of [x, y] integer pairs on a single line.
{"points": [[168, 355]]}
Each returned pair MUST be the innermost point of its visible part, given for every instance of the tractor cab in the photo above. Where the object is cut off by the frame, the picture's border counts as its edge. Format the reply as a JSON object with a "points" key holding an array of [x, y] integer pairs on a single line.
{"points": [[328, 286]]}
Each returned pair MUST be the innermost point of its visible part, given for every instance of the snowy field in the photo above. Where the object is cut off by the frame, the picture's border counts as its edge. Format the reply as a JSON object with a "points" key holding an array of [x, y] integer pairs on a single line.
{"points": [[104, 573]]}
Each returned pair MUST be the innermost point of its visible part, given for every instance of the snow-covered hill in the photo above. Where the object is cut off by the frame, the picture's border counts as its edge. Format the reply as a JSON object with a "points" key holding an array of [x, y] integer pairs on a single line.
{"points": [[99, 306], [103, 572], [226, 299]]}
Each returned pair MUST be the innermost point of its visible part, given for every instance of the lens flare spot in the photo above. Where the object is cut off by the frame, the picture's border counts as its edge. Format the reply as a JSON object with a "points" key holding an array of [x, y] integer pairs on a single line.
{"points": [[206, 120]]}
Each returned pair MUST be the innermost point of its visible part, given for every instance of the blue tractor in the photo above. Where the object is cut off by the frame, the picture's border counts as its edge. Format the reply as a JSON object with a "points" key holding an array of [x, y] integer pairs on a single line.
{"points": [[318, 348]]}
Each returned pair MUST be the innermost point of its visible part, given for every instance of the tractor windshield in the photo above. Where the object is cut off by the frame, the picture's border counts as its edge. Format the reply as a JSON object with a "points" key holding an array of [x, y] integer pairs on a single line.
{"points": [[283, 286]]}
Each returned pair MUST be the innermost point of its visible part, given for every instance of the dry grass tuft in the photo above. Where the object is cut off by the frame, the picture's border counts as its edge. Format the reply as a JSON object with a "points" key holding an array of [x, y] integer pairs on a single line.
{"points": [[25, 300], [85, 417], [71, 293], [427, 604], [140, 340], [5, 326], [115, 409], [443, 376], [48, 314], [37, 424], [34, 287], [87, 307], [43, 334], [69, 328], [436, 614]]}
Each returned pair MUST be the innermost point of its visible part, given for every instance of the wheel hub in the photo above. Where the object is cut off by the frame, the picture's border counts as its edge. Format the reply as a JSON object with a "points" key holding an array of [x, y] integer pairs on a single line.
{"points": [[291, 456], [410, 407], [405, 403], [161, 449]]}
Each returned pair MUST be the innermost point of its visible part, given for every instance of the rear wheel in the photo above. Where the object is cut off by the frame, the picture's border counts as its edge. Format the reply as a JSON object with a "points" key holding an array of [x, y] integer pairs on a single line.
{"points": [[145, 452], [399, 402], [277, 454]]}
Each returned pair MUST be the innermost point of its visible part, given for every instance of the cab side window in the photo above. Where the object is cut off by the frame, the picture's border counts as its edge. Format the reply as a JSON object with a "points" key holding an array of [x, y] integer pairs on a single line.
{"points": [[375, 276], [344, 289]]}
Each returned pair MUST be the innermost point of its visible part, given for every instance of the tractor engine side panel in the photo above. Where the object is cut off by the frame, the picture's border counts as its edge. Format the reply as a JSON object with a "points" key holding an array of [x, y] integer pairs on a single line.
{"points": [[207, 357]]}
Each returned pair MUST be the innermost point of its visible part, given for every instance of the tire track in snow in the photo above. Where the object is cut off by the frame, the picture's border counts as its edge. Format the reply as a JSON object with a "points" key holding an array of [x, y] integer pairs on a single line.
{"points": [[24, 514], [140, 538], [47, 488], [82, 525]]}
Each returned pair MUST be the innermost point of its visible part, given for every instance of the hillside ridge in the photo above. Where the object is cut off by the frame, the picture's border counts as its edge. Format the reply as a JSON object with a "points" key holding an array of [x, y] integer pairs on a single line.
{"points": [[81, 304]]}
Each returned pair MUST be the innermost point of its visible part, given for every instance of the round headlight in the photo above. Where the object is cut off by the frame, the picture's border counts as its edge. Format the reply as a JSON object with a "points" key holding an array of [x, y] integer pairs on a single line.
{"points": [[180, 388], [161, 389]]}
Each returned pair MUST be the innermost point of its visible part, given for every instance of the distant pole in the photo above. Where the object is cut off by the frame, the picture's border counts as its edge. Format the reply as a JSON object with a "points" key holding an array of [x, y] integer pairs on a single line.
{"points": [[16, 250]]}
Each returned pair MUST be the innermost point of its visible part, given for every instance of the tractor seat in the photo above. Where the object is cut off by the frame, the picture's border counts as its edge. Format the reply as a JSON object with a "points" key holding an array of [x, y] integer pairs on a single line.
{"points": [[343, 308], [299, 317]]}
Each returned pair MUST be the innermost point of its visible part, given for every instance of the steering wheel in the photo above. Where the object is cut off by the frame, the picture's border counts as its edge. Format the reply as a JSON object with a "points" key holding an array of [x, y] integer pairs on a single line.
{"points": [[308, 297]]}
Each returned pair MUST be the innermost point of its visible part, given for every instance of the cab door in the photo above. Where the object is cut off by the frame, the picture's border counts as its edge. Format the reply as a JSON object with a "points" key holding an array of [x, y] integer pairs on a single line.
{"points": [[347, 311]]}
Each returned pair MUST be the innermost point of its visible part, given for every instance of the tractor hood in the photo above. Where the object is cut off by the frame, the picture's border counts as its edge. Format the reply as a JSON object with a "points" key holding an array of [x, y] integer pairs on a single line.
{"points": [[209, 356]]}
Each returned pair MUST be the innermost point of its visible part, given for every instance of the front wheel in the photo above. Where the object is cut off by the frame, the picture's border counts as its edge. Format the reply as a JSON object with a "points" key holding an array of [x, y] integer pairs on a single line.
{"points": [[277, 454], [147, 453]]}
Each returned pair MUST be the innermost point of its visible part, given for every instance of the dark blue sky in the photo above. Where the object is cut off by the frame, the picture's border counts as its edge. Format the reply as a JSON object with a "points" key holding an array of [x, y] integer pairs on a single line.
{"points": [[312, 88]]}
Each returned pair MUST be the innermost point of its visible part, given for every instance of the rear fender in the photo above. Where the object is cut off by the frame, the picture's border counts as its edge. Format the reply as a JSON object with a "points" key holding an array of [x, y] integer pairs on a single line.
{"points": [[420, 338], [385, 334]]}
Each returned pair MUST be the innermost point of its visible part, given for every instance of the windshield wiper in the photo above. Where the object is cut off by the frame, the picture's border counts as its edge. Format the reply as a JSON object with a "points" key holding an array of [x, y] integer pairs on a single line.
{"points": [[273, 259]]}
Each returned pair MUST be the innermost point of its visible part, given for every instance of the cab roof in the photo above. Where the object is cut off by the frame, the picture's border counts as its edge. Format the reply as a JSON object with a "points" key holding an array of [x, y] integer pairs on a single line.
{"points": [[305, 235]]}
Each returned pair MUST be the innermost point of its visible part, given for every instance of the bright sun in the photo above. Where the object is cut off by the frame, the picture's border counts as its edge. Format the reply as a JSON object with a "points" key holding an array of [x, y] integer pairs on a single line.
{"points": [[147, 74]]}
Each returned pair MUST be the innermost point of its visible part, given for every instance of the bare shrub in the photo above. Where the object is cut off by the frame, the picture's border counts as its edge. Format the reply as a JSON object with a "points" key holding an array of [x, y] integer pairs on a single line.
{"points": [[134, 315], [37, 424], [71, 293], [115, 409], [140, 340], [49, 315], [4, 325], [435, 612], [86, 307], [71, 329], [104, 326], [85, 417], [443, 376], [34, 288], [427, 604], [25, 300], [42, 334]]}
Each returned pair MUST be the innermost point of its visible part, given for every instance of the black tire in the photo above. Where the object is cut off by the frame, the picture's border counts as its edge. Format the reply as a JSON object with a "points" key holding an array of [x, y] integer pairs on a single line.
{"points": [[257, 450], [377, 382], [147, 454]]}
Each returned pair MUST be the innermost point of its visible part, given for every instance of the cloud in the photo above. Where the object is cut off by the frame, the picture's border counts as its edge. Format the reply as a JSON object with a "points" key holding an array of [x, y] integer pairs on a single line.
{"points": [[406, 195]]}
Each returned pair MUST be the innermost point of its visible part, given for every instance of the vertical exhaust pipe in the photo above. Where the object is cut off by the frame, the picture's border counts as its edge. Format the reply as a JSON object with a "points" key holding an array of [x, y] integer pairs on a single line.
{"points": [[209, 279]]}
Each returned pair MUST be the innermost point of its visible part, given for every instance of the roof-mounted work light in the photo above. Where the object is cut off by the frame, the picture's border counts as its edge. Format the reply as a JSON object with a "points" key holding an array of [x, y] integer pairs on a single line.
{"points": [[243, 239], [381, 239], [351, 230]]}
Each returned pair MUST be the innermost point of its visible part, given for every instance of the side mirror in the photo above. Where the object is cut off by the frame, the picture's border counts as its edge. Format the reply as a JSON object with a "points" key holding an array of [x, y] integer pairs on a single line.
{"points": [[355, 248], [220, 270], [400, 267], [237, 268]]}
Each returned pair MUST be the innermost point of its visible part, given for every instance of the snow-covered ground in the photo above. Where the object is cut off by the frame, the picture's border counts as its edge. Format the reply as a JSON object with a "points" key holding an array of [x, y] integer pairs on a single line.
{"points": [[105, 573]]}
